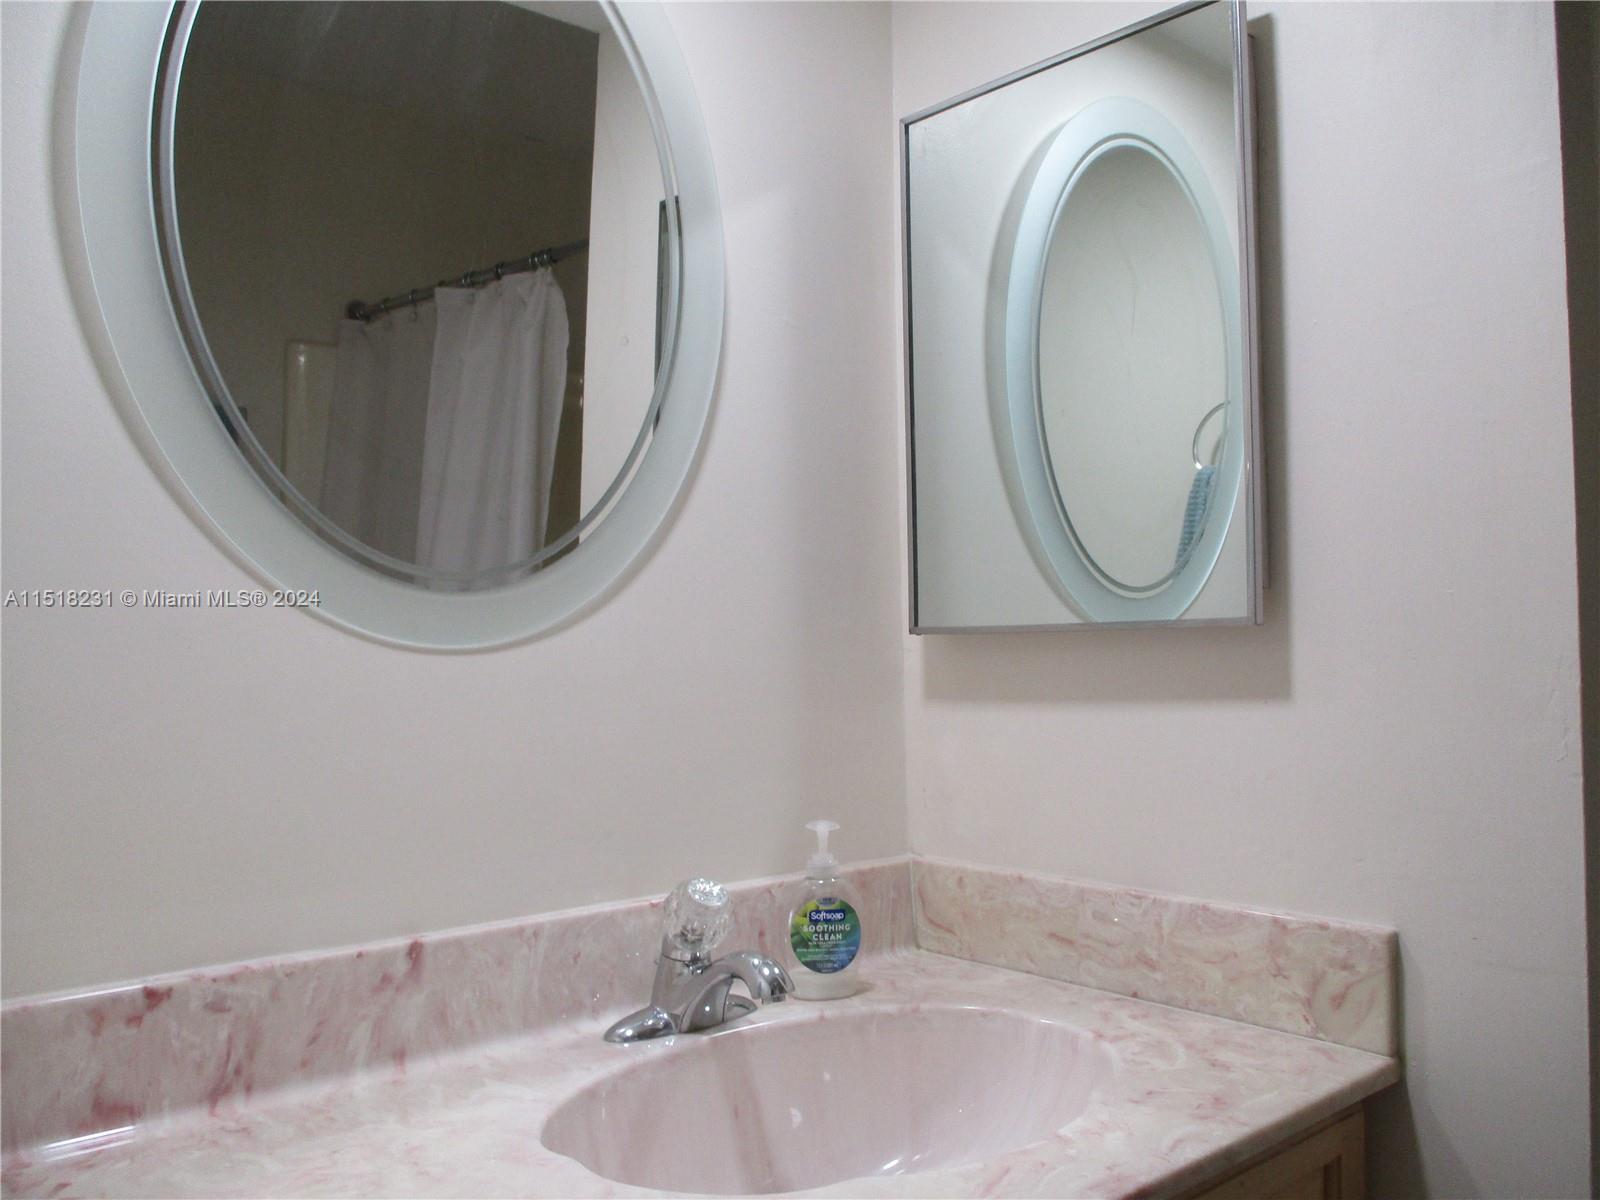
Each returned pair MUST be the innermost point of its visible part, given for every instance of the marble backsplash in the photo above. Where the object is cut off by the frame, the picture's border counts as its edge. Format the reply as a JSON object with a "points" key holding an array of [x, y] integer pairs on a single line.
{"points": [[1332, 980], [81, 1064]]}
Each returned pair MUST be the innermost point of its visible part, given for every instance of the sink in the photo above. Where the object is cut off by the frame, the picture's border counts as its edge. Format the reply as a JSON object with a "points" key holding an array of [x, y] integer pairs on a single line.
{"points": [[787, 1104]]}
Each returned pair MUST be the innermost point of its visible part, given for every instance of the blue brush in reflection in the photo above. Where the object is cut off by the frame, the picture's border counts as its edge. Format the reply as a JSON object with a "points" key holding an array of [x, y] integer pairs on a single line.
{"points": [[1205, 477], [1194, 513]]}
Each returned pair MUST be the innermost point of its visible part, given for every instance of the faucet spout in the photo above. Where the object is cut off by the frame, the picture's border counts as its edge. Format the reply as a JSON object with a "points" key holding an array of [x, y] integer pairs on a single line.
{"points": [[766, 981], [714, 1003], [692, 991]]}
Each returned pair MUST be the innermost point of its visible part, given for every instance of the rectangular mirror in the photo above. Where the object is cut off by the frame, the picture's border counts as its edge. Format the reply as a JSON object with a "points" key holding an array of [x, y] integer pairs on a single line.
{"points": [[1080, 343]]}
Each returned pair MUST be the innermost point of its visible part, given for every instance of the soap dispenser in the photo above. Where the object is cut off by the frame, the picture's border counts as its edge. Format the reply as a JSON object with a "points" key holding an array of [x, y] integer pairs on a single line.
{"points": [[824, 927]]}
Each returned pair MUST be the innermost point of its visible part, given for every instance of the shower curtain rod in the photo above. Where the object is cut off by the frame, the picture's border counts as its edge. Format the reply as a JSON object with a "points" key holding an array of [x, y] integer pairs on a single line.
{"points": [[359, 310]]}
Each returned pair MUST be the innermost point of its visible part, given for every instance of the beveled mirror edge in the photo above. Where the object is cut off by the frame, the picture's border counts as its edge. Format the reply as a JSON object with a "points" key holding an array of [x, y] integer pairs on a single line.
{"points": [[109, 245], [1252, 487]]}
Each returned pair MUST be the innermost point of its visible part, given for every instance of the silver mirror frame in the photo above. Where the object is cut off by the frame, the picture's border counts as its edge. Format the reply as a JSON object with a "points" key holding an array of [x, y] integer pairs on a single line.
{"points": [[114, 263], [1113, 611]]}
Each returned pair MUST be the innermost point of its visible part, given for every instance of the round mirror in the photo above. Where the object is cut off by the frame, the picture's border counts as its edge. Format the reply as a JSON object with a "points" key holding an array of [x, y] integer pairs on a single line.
{"points": [[422, 257], [1122, 339], [430, 324]]}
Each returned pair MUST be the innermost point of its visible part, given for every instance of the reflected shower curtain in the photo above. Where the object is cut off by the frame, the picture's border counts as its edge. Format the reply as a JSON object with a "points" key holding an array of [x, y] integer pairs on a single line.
{"points": [[372, 472], [494, 410]]}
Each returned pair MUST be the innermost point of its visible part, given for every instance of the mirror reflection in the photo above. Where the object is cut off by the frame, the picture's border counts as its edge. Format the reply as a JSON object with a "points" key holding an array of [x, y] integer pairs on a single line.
{"points": [[1082, 376], [425, 250], [1132, 348]]}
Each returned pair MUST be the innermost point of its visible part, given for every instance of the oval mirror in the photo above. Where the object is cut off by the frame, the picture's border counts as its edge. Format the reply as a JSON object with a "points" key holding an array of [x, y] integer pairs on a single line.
{"points": [[446, 279], [1121, 340], [1131, 359]]}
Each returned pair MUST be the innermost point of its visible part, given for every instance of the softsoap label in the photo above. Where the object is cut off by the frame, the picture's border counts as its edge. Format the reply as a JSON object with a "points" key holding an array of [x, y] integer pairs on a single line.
{"points": [[825, 934]]}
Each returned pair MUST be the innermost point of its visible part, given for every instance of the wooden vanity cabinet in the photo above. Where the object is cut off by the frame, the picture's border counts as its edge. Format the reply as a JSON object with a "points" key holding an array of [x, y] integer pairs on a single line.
{"points": [[1326, 1162]]}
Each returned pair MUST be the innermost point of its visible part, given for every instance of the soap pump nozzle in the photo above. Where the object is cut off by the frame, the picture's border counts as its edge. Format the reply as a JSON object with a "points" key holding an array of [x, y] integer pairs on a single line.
{"points": [[822, 863]]}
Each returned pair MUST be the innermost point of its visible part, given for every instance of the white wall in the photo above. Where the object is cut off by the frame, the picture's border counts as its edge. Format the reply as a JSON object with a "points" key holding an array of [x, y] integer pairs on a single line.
{"points": [[742, 682], [1399, 742]]}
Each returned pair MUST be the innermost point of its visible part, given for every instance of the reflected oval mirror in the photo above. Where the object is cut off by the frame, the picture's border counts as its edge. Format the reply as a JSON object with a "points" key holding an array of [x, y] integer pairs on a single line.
{"points": [[1123, 399], [422, 259], [1131, 359]]}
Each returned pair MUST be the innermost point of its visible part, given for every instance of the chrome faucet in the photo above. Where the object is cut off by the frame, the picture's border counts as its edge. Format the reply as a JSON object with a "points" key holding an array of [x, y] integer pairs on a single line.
{"points": [[692, 990]]}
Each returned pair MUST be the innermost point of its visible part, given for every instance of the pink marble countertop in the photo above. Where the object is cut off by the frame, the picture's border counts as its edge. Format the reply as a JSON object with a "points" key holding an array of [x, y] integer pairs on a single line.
{"points": [[1189, 1096]]}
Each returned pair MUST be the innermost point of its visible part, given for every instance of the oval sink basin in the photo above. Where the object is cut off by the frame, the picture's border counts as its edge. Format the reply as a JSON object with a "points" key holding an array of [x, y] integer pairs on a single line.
{"points": [[792, 1104]]}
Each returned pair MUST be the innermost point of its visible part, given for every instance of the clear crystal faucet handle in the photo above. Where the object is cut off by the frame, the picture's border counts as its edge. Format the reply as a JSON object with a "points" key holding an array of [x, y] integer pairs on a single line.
{"points": [[698, 915]]}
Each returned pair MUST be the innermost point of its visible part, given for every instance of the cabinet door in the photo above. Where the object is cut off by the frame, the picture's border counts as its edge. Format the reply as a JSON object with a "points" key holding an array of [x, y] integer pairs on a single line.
{"points": [[1328, 1163]]}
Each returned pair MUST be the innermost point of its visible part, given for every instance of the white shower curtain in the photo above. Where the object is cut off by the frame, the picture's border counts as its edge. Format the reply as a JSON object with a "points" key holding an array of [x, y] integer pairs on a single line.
{"points": [[443, 425], [371, 480], [494, 410]]}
